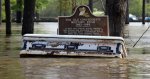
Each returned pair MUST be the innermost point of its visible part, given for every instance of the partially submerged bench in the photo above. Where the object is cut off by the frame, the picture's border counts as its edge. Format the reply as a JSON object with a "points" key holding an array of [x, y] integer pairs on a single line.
{"points": [[73, 45]]}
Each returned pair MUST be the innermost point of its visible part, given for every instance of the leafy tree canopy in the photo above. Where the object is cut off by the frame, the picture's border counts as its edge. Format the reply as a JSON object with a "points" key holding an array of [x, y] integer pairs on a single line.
{"points": [[135, 7]]}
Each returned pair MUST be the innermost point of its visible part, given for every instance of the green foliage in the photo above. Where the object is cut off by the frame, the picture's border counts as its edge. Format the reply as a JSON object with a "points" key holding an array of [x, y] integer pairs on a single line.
{"points": [[16, 7], [3, 10], [98, 13], [51, 8], [147, 10], [54, 8], [41, 4], [65, 6], [82, 2], [13, 6], [135, 7]]}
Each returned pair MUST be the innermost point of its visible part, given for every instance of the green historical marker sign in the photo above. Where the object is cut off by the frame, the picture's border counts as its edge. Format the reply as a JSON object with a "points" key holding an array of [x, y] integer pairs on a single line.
{"points": [[83, 22]]}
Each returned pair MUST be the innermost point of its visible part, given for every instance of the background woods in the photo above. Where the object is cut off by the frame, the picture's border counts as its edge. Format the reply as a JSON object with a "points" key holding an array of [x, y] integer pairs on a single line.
{"points": [[47, 10]]}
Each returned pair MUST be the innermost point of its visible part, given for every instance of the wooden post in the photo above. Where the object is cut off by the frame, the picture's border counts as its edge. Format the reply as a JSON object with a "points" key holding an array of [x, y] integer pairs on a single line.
{"points": [[143, 12]]}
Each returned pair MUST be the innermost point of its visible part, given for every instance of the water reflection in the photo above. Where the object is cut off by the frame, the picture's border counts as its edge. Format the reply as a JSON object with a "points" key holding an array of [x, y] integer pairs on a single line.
{"points": [[135, 66], [72, 68]]}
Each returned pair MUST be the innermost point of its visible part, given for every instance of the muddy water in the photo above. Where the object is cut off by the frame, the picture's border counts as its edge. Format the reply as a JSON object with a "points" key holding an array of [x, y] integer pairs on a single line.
{"points": [[135, 66]]}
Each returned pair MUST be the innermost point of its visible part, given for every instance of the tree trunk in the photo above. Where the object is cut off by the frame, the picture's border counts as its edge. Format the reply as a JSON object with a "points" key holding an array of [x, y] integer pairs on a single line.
{"points": [[0, 12], [91, 5], [116, 10], [19, 11], [28, 17], [127, 13], [143, 12], [8, 17]]}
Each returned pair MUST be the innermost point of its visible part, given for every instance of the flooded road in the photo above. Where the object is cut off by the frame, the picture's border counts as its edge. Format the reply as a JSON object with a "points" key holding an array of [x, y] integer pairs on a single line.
{"points": [[135, 66]]}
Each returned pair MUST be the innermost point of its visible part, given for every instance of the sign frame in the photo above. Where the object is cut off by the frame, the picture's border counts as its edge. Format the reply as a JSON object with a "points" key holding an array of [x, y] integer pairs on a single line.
{"points": [[83, 22]]}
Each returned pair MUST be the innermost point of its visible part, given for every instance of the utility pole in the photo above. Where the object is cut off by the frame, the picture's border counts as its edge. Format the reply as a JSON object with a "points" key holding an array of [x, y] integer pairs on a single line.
{"points": [[143, 12]]}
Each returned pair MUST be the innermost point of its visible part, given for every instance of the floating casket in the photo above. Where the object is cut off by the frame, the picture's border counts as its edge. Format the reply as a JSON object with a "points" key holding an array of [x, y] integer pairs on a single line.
{"points": [[72, 45]]}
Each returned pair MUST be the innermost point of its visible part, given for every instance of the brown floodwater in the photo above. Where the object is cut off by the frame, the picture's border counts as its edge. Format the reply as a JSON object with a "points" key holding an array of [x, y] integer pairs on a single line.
{"points": [[135, 66]]}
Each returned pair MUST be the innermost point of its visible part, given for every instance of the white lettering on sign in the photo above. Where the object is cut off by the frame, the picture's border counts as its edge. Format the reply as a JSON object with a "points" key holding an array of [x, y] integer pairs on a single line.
{"points": [[83, 31]]}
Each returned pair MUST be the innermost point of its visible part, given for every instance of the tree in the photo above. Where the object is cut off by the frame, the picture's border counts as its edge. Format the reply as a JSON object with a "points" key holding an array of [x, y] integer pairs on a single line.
{"points": [[19, 11], [40, 4], [143, 12], [116, 10], [74, 5], [135, 7], [82, 2], [91, 5], [0, 11], [127, 13], [8, 17], [28, 16], [65, 6]]}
